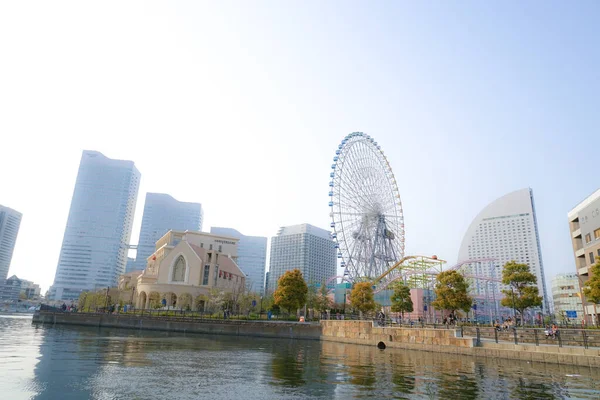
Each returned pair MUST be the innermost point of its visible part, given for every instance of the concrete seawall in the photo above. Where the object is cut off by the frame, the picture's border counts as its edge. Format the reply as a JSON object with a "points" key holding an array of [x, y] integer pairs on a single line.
{"points": [[186, 325], [353, 332], [449, 341]]}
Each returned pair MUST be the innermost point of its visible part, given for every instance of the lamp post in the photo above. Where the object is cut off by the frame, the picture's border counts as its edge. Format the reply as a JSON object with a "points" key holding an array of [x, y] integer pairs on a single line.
{"points": [[260, 309]]}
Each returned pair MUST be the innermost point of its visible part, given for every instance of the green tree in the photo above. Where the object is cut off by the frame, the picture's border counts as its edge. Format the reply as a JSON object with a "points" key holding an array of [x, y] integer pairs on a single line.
{"points": [[154, 300], [323, 302], [451, 291], [200, 302], [362, 298], [291, 291], [401, 300], [591, 289], [185, 301], [81, 303], [522, 293]]}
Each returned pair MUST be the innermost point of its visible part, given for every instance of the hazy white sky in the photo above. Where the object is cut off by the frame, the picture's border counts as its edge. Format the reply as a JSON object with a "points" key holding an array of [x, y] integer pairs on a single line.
{"points": [[241, 106]]}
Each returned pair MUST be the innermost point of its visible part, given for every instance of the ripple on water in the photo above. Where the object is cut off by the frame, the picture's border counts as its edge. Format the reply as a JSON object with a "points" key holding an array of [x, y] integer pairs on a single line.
{"points": [[44, 362]]}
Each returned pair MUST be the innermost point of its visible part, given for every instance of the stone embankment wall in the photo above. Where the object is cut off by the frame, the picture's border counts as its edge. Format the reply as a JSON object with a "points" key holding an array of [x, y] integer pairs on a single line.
{"points": [[364, 332], [354, 332], [185, 325], [449, 341]]}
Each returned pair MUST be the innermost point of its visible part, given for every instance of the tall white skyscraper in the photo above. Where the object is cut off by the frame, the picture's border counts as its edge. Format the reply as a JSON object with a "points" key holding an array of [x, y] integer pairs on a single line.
{"points": [[252, 257], [505, 230], [10, 220], [96, 240], [306, 247], [163, 213]]}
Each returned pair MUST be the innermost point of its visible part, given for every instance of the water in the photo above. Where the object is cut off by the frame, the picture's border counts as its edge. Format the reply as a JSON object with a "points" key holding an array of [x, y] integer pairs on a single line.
{"points": [[63, 362]]}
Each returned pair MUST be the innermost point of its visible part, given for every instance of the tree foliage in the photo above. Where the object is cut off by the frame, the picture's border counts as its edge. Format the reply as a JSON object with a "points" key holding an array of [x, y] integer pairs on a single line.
{"points": [[451, 292], [323, 302], [291, 291], [362, 298], [523, 294], [92, 301], [401, 300], [591, 289], [154, 300]]}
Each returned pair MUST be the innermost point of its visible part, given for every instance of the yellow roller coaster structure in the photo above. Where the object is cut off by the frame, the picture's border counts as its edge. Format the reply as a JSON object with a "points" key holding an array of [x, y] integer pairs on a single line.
{"points": [[414, 271]]}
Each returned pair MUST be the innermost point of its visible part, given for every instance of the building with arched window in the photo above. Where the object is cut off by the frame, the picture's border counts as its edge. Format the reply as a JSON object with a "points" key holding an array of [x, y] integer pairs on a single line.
{"points": [[185, 266]]}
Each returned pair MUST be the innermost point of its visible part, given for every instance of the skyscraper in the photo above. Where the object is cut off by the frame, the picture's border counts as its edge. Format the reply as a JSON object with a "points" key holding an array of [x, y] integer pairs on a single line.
{"points": [[584, 226], [252, 257], [163, 213], [505, 230], [305, 247], [96, 240], [10, 221]]}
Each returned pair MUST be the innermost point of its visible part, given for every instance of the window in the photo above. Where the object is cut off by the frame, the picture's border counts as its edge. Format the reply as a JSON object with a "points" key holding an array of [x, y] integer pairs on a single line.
{"points": [[179, 270], [210, 247], [206, 273], [588, 238], [597, 234], [220, 248], [591, 258]]}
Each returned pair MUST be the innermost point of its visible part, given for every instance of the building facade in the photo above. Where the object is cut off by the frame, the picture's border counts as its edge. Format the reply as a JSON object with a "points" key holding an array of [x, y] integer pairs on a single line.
{"points": [[584, 226], [184, 266], [252, 257], [566, 294], [10, 221], [14, 289], [98, 231], [163, 213], [505, 230], [305, 247]]}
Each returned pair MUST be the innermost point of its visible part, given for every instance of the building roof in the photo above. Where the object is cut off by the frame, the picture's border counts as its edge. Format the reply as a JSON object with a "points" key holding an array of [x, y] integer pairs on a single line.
{"points": [[584, 203]]}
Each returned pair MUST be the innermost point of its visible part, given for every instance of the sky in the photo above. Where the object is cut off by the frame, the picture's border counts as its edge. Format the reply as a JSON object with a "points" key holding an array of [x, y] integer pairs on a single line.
{"points": [[241, 105]]}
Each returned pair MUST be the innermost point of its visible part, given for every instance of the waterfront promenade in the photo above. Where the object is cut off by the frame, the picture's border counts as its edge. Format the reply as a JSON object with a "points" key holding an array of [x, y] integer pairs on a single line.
{"points": [[453, 341]]}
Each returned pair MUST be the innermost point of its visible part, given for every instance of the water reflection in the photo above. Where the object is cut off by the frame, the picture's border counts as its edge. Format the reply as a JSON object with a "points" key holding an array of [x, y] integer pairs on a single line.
{"points": [[45, 362]]}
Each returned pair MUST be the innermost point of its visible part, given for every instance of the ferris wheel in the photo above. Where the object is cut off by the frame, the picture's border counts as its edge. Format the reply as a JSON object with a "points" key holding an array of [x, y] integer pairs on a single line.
{"points": [[366, 211]]}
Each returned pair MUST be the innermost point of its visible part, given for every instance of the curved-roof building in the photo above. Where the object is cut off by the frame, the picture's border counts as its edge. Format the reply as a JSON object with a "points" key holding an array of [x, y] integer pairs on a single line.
{"points": [[505, 230]]}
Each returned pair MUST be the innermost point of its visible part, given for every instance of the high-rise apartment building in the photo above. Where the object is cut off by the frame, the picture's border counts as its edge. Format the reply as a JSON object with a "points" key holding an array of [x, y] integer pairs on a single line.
{"points": [[252, 257], [10, 221], [96, 240], [566, 297], [505, 230], [305, 247], [163, 213], [584, 225]]}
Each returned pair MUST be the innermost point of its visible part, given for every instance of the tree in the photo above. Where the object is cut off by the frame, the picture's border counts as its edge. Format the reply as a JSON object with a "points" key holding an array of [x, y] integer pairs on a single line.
{"points": [[401, 300], [522, 294], [291, 291], [185, 301], [591, 289], [361, 297], [200, 302], [154, 300], [322, 301], [451, 292]]}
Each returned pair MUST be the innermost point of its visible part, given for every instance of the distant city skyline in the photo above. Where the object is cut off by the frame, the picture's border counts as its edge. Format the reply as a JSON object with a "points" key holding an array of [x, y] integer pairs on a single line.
{"points": [[98, 229], [163, 213], [241, 106]]}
